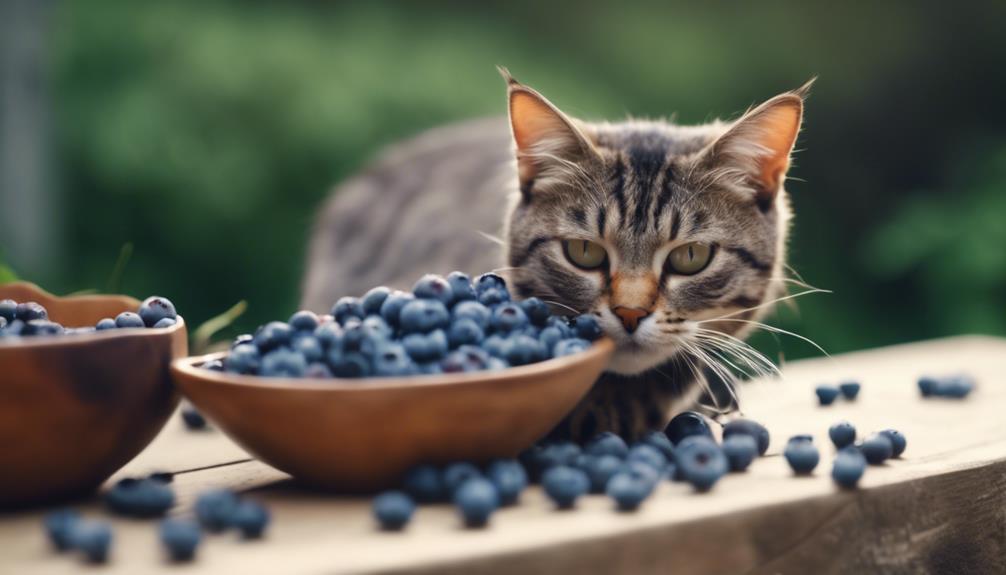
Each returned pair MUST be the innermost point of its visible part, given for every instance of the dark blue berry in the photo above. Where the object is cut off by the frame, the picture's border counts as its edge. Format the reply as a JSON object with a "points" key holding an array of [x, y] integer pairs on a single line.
{"points": [[377, 327], [192, 418], [957, 387], [927, 385], [748, 427], [509, 478], [607, 443], [456, 474], [128, 319], [508, 317], [347, 308], [629, 488], [877, 449], [13, 329], [564, 485], [802, 456], [600, 470], [8, 309], [105, 323], [435, 287], [244, 358], [842, 434], [476, 500], [392, 360], [826, 394], [307, 345], [848, 467], [560, 453], [304, 321], [740, 450], [898, 441], [549, 337], [493, 297], [536, 310], [155, 308], [59, 525], [283, 362], [423, 315], [329, 335], [474, 311], [180, 538], [489, 281], [393, 510], [497, 345], [251, 518], [215, 509], [163, 323], [140, 498], [687, 424], [649, 455], [391, 309], [425, 484], [349, 365], [461, 287], [587, 327], [41, 327], [570, 347], [464, 332], [424, 347], [466, 358], [524, 349], [701, 461], [29, 311], [849, 389], [374, 299], [658, 440], [272, 335], [318, 370], [93, 539]]}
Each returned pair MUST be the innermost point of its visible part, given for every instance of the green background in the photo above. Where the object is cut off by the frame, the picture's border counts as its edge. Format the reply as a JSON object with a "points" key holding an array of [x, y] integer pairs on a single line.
{"points": [[207, 133]]}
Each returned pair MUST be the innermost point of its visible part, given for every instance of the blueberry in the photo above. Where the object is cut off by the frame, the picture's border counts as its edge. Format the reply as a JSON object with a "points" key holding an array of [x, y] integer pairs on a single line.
{"points": [[570, 347], [877, 449], [564, 485], [307, 345], [562, 324], [456, 474], [346, 308], [465, 359], [329, 335], [374, 299], [392, 360], [629, 489], [587, 327], [497, 345], [13, 329], [957, 387], [509, 478], [508, 317], [493, 297], [8, 309], [649, 455], [318, 370], [41, 327], [748, 427], [600, 469], [360, 338], [849, 389], [244, 358], [607, 443], [549, 337], [430, 368], [180, 538], [461, 287], [426, 347], [464, 332], [3, 322], [560, 453], [489, 281], [93, 539], [304, 321], [423, 315], [155, 308], [215, 509], [349, 365], [192, 418], [105, 323], [740, 450], [474, 311], [391, 309], [165, 477], [842, 434], [658, 440], [801, 437], [140, 498], [700, 461], [802, 456], [848, 467], [898, 441], [826, 394], [283, 362], [377, 327], [927, 385], [476, 500], [272, 335], [524, 349], [59, 524], [425, 484], [128, 319], [536, 310], [29, 311], [393, 510], [496, 364], [686, 424], [435, 287], [164, 322], [251, 518]]}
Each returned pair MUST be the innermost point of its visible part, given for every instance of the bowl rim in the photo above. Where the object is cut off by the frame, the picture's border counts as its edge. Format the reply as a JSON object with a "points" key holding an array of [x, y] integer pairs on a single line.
{"points": [[77, 339], [188, 366]]}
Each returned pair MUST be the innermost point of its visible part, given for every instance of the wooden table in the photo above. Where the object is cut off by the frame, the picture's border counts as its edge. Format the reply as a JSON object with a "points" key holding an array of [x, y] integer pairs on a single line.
{"points": [[940, 509]]}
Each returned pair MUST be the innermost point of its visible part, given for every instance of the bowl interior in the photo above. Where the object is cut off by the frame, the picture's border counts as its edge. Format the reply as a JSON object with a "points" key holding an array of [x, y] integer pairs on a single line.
{"points": [[361, 435]]}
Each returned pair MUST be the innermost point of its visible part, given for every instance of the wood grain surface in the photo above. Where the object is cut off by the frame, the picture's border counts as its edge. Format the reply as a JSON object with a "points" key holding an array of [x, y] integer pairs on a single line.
{"points": [[939, 509]]}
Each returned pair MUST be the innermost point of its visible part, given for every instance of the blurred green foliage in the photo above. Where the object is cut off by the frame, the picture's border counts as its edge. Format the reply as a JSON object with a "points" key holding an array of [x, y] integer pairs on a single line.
{"points": [[206, 133]]}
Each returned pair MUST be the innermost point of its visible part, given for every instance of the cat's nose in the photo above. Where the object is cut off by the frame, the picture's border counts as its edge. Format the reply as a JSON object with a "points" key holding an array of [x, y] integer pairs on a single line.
{"points": [[630, 316]]}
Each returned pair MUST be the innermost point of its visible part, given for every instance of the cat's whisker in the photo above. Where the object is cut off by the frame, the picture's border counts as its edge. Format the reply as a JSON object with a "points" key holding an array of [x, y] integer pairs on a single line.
{"points": [[765, 304], [725, 376], [778, 330], [492, 238], [742, 346], [761, 365], [562, 305]]}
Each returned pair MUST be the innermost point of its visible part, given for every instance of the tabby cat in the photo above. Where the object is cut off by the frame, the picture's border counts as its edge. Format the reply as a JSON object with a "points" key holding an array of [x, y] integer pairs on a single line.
{"points": [[674, 236]]}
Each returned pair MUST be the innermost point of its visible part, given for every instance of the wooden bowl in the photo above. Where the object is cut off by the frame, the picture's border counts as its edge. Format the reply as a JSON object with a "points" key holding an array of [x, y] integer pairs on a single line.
{"points": [[76, 408], [362, 435]]}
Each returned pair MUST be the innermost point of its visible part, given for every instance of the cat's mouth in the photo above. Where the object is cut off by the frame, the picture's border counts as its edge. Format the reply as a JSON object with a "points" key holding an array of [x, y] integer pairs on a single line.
{"points": [[647, 347]]}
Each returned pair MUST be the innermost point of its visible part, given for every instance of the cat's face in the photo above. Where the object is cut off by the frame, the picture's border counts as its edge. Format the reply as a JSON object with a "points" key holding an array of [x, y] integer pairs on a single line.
{"points": [[657, 229]]}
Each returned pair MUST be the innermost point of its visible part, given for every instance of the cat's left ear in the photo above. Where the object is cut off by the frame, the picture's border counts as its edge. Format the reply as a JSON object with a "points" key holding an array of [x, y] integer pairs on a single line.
{"points": [[761, 141], [544, 137]]}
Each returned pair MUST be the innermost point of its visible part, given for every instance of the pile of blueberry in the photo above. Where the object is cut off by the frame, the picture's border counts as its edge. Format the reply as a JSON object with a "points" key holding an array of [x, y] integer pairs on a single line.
{"points": [[627, 474], [827, 394], [445, 325], [954, 386], [152, 496], [31, 319], [851, 457]]}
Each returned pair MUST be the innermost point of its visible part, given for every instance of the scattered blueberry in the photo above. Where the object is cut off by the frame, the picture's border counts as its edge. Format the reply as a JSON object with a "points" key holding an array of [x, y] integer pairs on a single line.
{"points": [[93, 539], [842, 434], [215, 509], [826, 394], [629, 488], [898, 441], [849, 389], [848, 467], [687, 424], [251, 518], [927, 385], [59, 524], [564, 484], [456, 474], [877, 448], [156, 308], [701, 461], [607, 443], [658, 440], [802, 455], [140, 497], [740, 450], [180, 538], [393, 510], [649, 455], [476, 500], [510, 479], [748, 427], [600, 469]]}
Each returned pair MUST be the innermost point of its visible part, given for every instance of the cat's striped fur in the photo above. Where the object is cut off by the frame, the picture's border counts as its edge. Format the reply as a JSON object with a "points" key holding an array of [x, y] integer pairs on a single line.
{"points": [[637, 188]]}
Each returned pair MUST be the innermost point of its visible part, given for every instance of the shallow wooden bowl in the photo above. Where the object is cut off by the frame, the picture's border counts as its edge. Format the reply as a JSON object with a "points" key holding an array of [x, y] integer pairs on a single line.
{"points": [[362, 435], [76, 408]]}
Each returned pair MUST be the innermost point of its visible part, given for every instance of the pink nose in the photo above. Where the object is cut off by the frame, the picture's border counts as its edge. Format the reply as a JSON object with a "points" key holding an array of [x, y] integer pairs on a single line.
{"points": [[630, 316]]}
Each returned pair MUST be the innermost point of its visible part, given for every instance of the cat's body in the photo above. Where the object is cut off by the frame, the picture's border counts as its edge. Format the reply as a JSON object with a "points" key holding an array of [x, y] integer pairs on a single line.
{"points": [[677, 226]]}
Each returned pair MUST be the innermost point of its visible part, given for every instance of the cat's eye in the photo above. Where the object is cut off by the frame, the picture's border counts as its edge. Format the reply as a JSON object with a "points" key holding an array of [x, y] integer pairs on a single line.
{"points": [[689, 259], [584, 254]]}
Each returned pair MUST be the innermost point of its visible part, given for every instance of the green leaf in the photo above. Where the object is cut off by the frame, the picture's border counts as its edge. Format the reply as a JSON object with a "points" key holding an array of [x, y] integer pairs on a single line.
{"points": [[204, 333]]}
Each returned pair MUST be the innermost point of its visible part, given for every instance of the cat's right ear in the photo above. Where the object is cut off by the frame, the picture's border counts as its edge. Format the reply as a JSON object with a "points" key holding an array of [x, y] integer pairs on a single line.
{"points": [[546, 140]]}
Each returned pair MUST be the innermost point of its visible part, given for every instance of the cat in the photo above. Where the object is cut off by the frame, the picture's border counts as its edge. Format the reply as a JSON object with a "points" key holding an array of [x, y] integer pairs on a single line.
{"points": [[673, 236]]}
